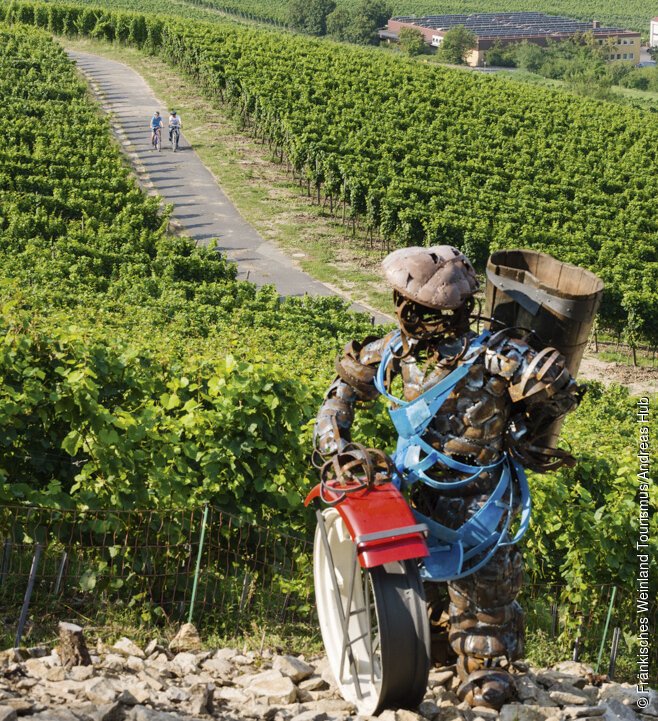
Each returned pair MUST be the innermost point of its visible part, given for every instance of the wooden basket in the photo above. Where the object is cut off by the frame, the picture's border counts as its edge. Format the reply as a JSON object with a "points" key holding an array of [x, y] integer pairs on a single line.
{"points": [[529, 289]]}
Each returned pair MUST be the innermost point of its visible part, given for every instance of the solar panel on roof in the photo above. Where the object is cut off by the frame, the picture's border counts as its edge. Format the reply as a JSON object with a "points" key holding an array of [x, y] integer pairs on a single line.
{"points": [[512, 24]]}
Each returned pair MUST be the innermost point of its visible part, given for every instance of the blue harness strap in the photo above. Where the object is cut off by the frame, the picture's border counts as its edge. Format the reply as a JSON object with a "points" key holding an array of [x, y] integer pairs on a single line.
{"points": [[486, 530]]}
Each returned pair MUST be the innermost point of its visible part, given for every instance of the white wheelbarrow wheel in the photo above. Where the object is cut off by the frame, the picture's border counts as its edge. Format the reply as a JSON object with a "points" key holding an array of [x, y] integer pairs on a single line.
{"points": [[374, 622]]}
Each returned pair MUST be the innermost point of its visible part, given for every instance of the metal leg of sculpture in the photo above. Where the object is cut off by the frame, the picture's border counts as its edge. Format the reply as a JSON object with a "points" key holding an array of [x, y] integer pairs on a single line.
{"points": [[486, 627]]}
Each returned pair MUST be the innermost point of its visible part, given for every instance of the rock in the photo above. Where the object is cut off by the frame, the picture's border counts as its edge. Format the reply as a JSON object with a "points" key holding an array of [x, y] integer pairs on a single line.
{"points": [[135, 664], [308, 696], [128, 648], [61, 715], [26, 684], [151, 647], [428, 709], [152, 680], [580, 711], [160, 663], [81, 673], [486, 713], [200, 698], [550, 679], [187, 639], [574, 668], [73, 649], [23, 707], [448, 712], [242, 660], [629, 696], [176, 694], [617, 711], [387, 715], [570, 697], [530, 692], [107, 712], [232, 695], [275, 690], [441, 677], [128, 698], [311, 716], [249, 678], [218, 667], [314, 683], [35, 667], [523, 712], [293, 667], [332, 706], [38, 651], [406, 715], [114, 662], [522, 666], [7, 713], [193, 679], [225, 654], [444, 697], [65, 690], [184, 663], [141, 713], [100, 691]]}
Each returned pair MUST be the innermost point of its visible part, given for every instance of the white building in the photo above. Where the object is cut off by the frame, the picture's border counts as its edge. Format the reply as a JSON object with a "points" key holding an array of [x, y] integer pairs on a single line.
{"points": [[653, 33]]}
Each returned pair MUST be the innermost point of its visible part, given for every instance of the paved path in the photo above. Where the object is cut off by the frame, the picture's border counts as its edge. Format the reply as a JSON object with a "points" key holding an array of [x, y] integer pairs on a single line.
{"points": [[200, 207]]}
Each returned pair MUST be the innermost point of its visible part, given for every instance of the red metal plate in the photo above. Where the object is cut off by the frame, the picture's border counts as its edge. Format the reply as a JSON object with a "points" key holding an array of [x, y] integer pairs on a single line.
{"points": [[379, 509]]}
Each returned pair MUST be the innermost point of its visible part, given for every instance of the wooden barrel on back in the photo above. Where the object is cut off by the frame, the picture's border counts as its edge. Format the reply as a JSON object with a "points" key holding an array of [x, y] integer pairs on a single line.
{"points": [[557, 300]]}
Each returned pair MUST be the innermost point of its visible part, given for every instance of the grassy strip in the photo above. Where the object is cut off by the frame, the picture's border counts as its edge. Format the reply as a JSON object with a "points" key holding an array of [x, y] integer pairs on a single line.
{"points": [[258, 185]]}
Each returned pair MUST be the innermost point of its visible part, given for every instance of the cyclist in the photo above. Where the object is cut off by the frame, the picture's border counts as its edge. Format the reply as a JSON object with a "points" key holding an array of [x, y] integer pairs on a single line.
{"points": [[174, 122], [156, 126]]}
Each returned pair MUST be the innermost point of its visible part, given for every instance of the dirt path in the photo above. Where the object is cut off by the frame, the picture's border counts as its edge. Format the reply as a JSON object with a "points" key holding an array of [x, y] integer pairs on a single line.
{"points": [[639, 381], [201, 208]]}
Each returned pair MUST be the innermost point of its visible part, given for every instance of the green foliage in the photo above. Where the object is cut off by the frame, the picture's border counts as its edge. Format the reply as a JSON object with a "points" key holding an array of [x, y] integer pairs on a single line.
{"points": [[456, 44], [529, 56], [412, 41], [579, 61], [310, 16], [592, 540], [137, 370], [358, 23], [633, 14], [423, 154], [502, 55], [182, 406]]}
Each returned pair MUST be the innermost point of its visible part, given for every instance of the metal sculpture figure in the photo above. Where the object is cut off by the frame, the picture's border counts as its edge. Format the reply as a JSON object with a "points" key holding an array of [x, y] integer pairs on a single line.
{"points": [[470, 411]]}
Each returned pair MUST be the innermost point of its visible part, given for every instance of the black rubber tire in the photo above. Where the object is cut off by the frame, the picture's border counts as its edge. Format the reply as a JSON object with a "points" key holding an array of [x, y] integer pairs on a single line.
{"points": [[404, 634]]}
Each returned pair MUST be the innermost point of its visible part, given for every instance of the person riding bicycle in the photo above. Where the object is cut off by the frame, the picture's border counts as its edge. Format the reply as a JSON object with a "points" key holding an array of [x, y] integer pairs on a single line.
{"points": [[156, 125], [174, 122]]}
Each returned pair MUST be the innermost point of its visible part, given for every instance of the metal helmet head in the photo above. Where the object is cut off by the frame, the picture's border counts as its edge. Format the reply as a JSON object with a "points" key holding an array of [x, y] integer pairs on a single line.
{"points": [[434, 289]]}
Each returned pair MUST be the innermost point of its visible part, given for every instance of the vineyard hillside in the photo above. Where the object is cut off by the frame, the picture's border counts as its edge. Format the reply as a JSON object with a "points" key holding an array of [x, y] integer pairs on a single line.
{"points": [[420, 154], [139, 374], [633, 14]]}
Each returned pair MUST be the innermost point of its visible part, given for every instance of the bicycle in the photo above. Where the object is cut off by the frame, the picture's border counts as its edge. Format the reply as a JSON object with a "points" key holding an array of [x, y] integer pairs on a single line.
{"points": [[175, 138], [156, 139]]}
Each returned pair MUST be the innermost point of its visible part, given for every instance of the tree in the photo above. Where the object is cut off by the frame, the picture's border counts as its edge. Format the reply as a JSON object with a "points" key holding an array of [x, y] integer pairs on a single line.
{"points": [[456, 44], [412, 41], [310, 16], [358, 23], [529, 57], [503, 56]]}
